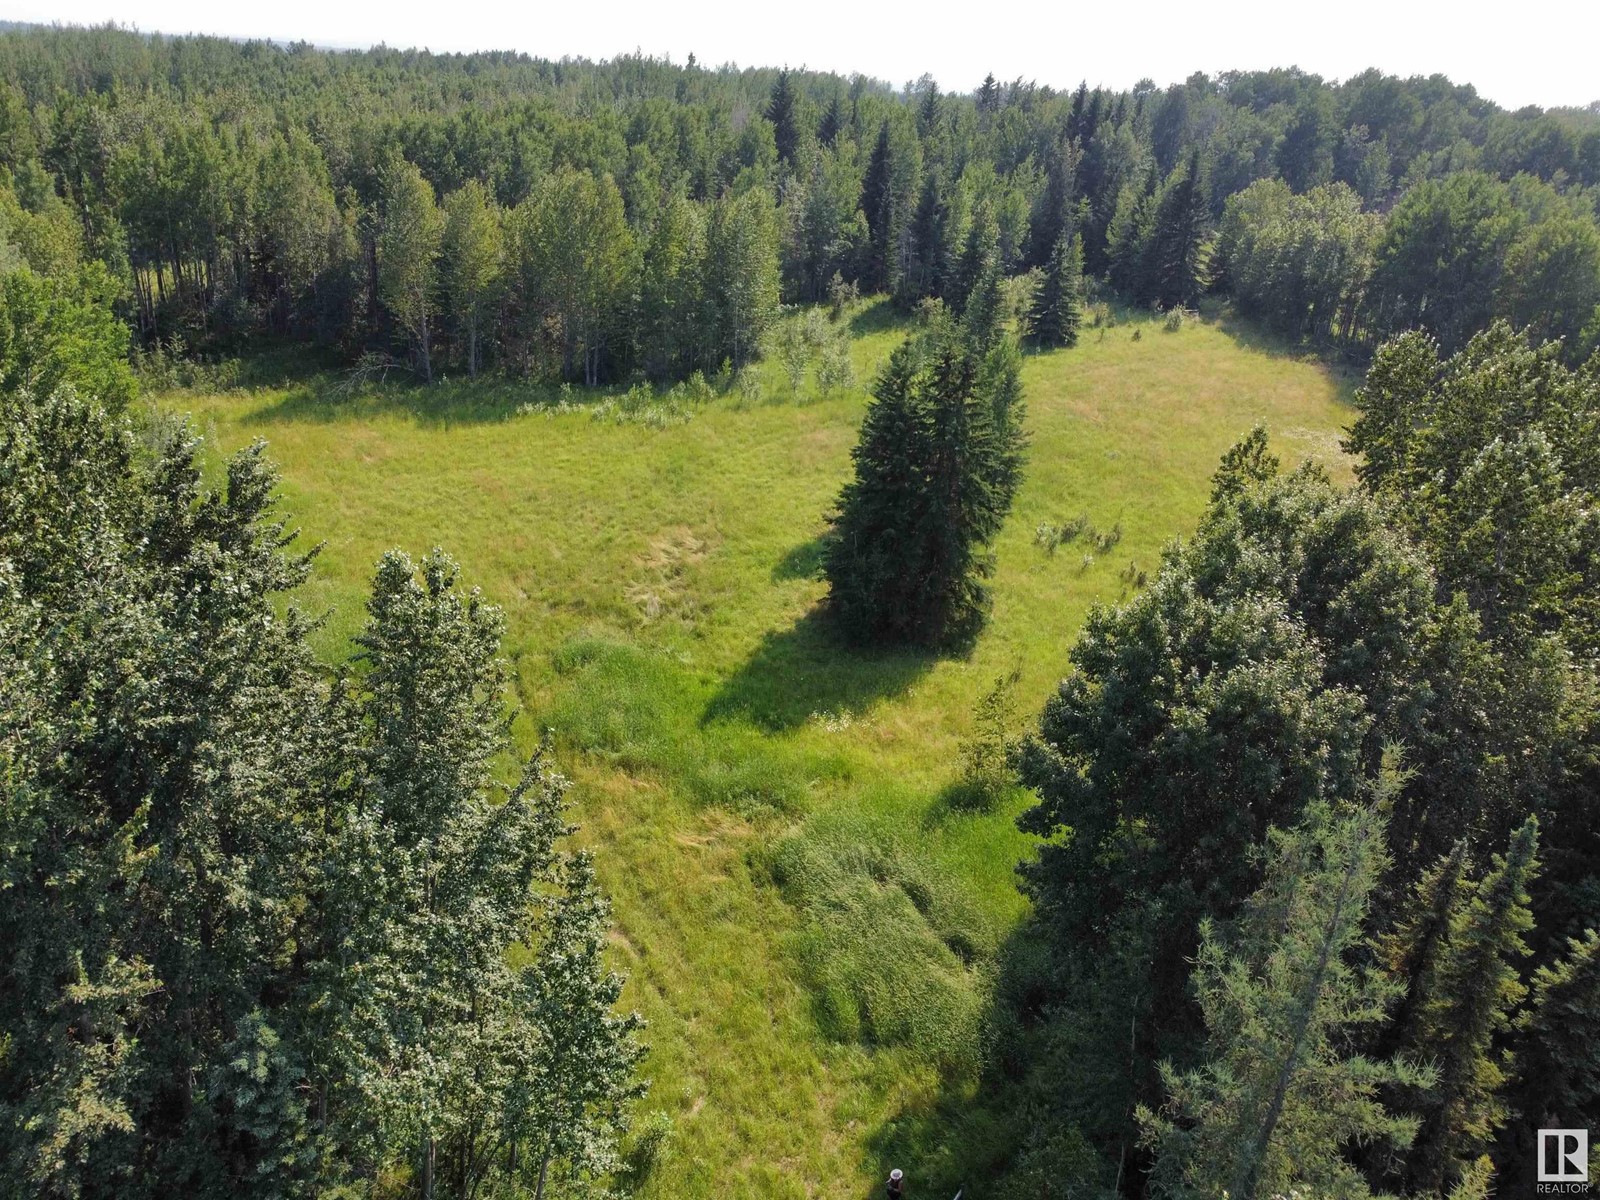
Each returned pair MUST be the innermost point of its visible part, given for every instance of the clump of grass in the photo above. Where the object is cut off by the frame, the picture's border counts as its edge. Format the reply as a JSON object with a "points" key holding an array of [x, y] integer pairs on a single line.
{"points": [[890, 948], [640, 405], [1177, 318], [1134, 575], [1050, 536], [649, 1147]]}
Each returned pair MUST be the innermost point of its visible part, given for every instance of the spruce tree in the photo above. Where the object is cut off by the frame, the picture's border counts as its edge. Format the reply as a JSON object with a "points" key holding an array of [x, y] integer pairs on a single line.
{"points": [[1052, 212], [926, 272], [1467, 1004], [1557, 1080], [1280, 1095], [781, 111], [877, 205], [832, 123], [980, 249], [1174, 250], [988, 95], [1058, 301], [936, 468], [1411, 950]]}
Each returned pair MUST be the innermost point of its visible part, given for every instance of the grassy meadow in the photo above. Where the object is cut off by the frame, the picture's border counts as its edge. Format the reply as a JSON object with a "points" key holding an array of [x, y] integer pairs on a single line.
{"points": [[807, 919]]}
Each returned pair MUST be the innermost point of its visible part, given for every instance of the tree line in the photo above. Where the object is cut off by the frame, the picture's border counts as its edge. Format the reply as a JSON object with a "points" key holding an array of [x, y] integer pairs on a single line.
{"points": [[583, 211]]}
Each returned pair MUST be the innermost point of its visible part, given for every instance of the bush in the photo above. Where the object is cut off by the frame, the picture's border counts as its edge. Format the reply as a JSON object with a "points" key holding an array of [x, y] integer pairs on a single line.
{"points": [[1050, 536], [835, 372], [747, 384]]}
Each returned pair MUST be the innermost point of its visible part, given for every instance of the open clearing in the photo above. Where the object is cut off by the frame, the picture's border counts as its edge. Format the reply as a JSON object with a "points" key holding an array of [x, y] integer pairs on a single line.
{"points": [[807, 923]]}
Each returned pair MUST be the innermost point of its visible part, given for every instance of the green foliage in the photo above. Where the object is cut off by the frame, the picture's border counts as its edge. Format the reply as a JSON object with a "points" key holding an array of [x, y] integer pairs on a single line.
{"points": [[262, 919], [1489, 457], [936, 468], [62, 330], [1058, 303], [411, 230], [1440, 260], [473, 257], [1298, 262], [1279, 1096], [1466, 999]]}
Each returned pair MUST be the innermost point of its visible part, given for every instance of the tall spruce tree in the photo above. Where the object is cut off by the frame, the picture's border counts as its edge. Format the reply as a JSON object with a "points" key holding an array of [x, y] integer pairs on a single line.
{"points": [[782, 112], [1174, 249], [1280, 1095], [1468, 1001], [936, 467], [980, 249], [1556, 1084], [877, 205], [1058, 300]]}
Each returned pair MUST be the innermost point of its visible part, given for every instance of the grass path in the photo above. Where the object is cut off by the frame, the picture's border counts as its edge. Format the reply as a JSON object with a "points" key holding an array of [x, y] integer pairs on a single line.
{"points": [[805, 924]]}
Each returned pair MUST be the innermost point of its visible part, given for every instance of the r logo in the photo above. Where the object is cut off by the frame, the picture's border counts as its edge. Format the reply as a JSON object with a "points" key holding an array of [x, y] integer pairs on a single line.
{"points": [[1563, 1156]]}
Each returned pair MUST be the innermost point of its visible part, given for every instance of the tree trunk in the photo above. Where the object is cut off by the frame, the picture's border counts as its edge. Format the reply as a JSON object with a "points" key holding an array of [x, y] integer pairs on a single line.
{"points": [[544, 1171], [429, 1152], [422, 347]]}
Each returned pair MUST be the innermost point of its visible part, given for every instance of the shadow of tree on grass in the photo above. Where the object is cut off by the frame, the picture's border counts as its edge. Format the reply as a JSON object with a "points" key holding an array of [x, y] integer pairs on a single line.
{"points": [[807, 669], [802, 561]]}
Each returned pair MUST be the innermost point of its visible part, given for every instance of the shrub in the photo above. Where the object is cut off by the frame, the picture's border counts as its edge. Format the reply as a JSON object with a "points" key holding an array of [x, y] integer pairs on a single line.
{"points": [[835, 371], [986, 774]]}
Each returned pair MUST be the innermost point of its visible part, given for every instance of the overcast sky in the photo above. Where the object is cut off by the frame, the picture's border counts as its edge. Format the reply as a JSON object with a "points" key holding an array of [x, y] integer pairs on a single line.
{"points": [[1544, 52]]}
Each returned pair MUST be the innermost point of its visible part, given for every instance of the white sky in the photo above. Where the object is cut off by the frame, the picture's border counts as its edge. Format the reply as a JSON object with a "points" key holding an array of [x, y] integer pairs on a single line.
{"points": [[1544, 52]]}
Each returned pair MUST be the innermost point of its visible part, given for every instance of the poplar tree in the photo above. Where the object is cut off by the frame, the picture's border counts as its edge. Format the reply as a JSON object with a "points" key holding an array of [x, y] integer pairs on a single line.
{"points": [[574, 1072], [409, 237], [472, 263]]}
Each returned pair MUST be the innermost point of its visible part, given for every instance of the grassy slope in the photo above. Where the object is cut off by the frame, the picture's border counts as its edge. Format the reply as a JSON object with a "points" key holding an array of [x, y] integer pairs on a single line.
{"points": [[789, 887]]}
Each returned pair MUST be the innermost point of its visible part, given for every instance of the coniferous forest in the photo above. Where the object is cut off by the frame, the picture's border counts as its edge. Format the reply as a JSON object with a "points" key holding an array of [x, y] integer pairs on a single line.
{"points": [[1053, 634]]}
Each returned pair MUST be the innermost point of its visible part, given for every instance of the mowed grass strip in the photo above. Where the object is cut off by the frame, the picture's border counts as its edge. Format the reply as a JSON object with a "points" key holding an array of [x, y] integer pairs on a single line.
{"points": [[807, 925]]}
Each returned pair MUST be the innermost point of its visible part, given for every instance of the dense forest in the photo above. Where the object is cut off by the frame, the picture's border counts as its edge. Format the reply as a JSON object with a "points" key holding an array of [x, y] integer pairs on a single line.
{"points": [[1314, 903], [593, 221]]}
